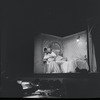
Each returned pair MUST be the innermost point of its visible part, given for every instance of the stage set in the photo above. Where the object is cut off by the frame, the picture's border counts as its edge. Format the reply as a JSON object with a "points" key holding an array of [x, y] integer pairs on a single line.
{"points": [[69, 54]]}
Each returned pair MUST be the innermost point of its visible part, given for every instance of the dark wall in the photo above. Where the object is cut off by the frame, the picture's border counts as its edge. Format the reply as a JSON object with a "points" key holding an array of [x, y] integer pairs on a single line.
{"points": [[0, 36], [21, 20], [19, 39]]}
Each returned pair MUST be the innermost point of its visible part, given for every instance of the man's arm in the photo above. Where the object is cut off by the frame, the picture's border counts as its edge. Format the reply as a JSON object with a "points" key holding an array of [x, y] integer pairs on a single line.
{"points": [[46, 57], [52, 54]]}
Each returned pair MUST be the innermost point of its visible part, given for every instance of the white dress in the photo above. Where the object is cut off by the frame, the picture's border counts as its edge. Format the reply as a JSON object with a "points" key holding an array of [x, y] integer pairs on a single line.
{"points": [[52, 66], [66, 66]]}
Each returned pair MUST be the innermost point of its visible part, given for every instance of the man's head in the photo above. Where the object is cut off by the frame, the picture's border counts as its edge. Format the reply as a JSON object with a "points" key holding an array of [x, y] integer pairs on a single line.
{"points": [[45, 50]]}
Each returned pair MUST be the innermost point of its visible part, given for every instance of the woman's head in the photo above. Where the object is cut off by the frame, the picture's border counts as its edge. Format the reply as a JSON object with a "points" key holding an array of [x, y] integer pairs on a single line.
{"points": [[57, 52], [49, 49]]}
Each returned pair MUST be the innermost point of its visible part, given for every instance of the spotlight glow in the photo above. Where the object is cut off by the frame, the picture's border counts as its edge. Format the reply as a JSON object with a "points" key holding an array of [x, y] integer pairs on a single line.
{"points": [[77, 40]]}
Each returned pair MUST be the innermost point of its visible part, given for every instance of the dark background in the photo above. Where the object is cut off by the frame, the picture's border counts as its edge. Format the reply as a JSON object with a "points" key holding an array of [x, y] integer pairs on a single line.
{"points": [[22, 20]]}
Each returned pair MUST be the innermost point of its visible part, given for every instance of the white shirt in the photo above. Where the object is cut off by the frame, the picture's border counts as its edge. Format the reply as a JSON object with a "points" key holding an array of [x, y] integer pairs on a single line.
{"points": [[49, 57]]}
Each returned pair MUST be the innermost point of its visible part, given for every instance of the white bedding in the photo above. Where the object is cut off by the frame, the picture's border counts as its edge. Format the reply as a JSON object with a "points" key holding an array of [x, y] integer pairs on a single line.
{"points": [[70, 66], [82, 64]]}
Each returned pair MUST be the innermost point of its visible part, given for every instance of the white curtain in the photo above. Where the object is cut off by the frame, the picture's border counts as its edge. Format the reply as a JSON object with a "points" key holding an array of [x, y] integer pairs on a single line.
{"points": [[92, 58]]}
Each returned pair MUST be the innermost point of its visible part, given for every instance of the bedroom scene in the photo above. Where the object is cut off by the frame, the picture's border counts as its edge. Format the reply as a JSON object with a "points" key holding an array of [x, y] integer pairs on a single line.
{"points": [[67, 54]]}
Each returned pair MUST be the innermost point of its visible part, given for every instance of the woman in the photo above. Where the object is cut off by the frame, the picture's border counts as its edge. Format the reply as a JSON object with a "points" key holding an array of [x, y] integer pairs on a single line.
{"points": [[65, 65], [68, 66], [62, 62]]}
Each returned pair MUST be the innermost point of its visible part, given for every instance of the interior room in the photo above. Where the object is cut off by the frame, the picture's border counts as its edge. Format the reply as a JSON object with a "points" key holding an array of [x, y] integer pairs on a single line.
{"points": [[50, 50], [72, 47]]}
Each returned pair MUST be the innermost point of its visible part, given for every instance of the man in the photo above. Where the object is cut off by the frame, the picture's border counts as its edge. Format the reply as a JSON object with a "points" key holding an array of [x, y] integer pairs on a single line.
{"points": [[52, 66], [45, 53]]}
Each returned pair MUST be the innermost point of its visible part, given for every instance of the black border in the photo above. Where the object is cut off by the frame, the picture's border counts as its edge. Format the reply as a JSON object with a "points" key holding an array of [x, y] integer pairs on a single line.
{"points": [[69, 75]]}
